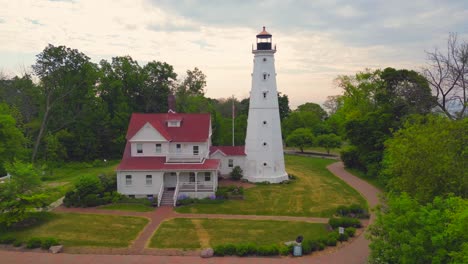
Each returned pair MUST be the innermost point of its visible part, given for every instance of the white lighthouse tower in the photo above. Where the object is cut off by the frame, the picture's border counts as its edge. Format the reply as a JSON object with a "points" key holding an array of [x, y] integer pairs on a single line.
{"points": [[263, 142]]}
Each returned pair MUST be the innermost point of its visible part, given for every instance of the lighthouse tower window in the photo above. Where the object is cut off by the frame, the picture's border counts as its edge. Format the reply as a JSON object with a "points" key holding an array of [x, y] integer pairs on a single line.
{"points": [[264, 164], [264, 95], [264, 143], [264, 76], [264, 122]]}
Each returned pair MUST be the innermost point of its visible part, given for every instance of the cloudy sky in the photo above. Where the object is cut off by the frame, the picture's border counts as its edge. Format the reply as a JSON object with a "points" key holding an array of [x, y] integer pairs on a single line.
{"points": [[317, 40]]}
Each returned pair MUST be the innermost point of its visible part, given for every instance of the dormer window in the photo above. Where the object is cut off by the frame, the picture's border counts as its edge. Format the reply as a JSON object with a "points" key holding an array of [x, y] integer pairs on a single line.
{"points": [[139, 148], [173, 123]]}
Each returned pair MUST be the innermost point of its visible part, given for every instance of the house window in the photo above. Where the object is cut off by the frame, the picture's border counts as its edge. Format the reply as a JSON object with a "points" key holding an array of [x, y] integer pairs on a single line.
{"points": [[149, 179], [173, 174], [139, 148], [131, 196], [128, 179], [195, 150], [207, 176], [149, 196], [264, 59], [230, 163], [158, 148], [178, 148], [192, 177]]}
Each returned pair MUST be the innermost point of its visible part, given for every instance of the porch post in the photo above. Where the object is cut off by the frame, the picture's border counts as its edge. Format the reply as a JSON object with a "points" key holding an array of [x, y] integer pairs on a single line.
{"points": [[215, 179], [196, 182], [177, 174]]}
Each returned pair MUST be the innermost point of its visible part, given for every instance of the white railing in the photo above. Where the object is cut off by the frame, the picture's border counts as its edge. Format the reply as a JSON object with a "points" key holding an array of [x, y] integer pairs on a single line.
{"points": [[185, 157], [160, 194], [176, 194], [196, 186]]}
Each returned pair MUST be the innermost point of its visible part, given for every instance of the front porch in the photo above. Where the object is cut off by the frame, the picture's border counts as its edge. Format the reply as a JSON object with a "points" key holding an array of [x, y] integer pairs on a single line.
{"points": [[194, 184]]}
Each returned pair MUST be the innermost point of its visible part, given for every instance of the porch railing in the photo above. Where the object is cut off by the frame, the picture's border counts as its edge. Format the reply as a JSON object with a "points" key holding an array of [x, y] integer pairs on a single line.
{"points": [[196, 186], [174, 157], [160, 194]]}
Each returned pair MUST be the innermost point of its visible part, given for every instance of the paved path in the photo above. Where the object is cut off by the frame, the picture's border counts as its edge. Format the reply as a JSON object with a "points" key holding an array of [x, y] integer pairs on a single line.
{"points": [[353, 253]]}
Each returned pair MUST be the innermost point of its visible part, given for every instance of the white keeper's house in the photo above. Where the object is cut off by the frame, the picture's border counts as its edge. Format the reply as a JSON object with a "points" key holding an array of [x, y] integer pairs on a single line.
{"points": [[168, 155]]}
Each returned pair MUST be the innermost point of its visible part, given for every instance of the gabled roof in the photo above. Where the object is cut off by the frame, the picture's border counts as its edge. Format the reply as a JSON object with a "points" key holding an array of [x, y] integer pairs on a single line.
{"points": [[193, 127], [130, 163], [228, 150]]}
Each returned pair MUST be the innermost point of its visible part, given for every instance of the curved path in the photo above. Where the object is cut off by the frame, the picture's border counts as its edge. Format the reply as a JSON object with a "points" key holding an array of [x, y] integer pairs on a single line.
{"points": [[355, 252]]}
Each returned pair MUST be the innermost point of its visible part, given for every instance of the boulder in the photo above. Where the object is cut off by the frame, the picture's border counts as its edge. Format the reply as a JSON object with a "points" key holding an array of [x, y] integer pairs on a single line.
{"points": [[207, 253], [56, 249]]}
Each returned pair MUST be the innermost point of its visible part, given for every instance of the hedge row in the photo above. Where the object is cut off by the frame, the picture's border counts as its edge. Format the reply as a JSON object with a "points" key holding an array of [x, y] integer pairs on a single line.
{"points": [[308, 246], [344, 222], [353, 210], [34, 242]]}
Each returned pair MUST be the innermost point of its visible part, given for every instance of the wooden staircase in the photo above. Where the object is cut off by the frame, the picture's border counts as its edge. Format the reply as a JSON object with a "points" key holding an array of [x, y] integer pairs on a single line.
{"points": [[167, 198]]}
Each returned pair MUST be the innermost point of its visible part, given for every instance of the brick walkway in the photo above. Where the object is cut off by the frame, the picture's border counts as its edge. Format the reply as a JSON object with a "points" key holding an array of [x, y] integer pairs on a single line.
{"points": [[355, 252]]}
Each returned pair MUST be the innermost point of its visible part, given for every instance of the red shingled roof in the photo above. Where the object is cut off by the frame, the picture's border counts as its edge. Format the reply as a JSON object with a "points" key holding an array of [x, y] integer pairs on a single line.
{"points": [[130, 163], [229, 150], [193, 128]]}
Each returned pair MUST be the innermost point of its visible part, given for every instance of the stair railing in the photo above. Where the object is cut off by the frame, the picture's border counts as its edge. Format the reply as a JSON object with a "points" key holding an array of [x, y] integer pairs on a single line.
{"points": [[160, 194], [176, 192]]}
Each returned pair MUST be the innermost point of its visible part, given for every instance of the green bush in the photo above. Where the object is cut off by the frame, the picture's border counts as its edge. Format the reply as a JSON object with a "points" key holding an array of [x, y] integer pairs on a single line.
{"points": [[321, 245], [9, 239], [344, 222], [350, 158], [342, 210], [332, 239], [34, 242], [285, 250], [343, 237], [229, 249], [268, 250], [245, 249], [17, 243], [350, 231], [236, 173], [48, 242], [219, 250]]}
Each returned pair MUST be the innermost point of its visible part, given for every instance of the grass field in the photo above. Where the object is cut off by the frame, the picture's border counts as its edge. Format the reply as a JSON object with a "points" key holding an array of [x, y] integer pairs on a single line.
{"points": [[201, 233], [128, 207], [84, 229], [59, 181], [316, 192]]}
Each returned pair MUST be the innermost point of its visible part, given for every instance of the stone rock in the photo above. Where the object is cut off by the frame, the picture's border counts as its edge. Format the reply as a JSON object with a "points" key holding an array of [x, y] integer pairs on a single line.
{"points": [[56, 249], [207, 253]]}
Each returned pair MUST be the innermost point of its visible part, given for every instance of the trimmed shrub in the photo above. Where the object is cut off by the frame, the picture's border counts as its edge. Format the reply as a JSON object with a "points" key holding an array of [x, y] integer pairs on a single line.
{"points": [[7, 239], [271, 250], [343, 237], [245, 249], [344, 222], [285, 250], [48, 242], [350, 231], [17, 243], [342, 210], [321, 246], [34, 242], [332, 238], [236, 173], [308, 246], [219, 250], [229, 249]]}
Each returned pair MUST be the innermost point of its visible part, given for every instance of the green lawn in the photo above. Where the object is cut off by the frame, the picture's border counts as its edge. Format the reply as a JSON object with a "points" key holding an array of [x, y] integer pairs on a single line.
{"points": [[84, 229], [316, 192], [201, 233], [58, 181], [128, 207]]}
